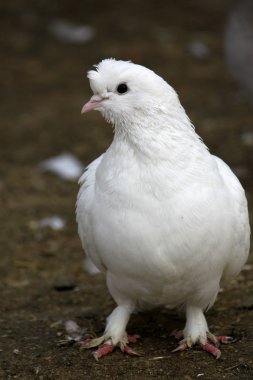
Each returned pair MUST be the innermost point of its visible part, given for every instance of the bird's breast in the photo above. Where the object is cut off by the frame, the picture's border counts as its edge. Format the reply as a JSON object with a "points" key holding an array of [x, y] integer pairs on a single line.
{"points": [[153, 229]]}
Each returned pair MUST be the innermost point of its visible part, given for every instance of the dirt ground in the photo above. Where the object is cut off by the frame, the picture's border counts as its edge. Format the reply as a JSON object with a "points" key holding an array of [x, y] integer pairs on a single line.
{"points": [[43, 89]]}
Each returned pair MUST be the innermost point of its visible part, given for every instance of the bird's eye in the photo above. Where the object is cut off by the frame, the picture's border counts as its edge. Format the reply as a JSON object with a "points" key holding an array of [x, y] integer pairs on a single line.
{"points": [[122, 88]]}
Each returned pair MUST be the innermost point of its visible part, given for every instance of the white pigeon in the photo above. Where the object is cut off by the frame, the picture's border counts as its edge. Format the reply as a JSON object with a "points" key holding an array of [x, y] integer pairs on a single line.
{"points": [[163, 218]]}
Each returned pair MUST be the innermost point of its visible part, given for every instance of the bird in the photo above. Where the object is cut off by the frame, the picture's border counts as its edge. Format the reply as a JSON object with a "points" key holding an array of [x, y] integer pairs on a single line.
{"points": [[163, 218]]}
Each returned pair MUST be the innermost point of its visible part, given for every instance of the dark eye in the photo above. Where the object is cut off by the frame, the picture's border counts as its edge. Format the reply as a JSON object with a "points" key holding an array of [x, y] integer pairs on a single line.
{"points": [[122, 88]]}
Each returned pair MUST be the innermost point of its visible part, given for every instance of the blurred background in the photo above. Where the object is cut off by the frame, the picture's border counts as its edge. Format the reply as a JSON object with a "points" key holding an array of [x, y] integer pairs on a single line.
{"points": [[203, 48]]}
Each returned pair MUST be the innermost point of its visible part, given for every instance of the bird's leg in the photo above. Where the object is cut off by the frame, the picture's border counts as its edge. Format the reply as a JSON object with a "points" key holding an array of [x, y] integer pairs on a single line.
{"points": [[114, 336], [196, 332], [109, 347]]}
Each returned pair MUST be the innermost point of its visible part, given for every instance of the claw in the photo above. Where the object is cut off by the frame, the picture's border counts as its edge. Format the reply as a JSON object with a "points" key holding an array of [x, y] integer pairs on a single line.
{"points": [[212, 338], [181, 347], [130, 351]]}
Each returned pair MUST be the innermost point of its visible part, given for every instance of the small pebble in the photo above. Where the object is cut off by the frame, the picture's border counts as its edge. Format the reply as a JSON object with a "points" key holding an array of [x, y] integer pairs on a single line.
{"points": [[198, 49], [247, 138]]}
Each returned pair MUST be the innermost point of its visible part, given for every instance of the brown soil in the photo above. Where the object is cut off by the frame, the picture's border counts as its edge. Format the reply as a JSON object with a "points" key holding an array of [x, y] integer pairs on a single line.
{"points": [[43, 89]]}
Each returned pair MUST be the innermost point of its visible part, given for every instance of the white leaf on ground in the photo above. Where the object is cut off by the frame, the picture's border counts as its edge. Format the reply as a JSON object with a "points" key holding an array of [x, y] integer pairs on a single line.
{"points": [[68, 32], [54, 222], [65, 166]]}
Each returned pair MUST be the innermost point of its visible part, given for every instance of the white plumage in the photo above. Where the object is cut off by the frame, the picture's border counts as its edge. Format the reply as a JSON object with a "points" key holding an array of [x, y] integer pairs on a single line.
{"points": [[162, 217]]}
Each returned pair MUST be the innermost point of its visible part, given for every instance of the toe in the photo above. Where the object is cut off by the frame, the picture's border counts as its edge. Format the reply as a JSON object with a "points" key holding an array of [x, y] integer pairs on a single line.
{"points": [[178, 334], [103, 350], [128, 350], [225, 339], [181, 347], [132, 338], [89, 343], [212, 349]]}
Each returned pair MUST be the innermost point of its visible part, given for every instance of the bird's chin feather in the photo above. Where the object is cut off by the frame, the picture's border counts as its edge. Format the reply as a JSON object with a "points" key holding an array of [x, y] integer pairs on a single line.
{"points": [[108, 115]]}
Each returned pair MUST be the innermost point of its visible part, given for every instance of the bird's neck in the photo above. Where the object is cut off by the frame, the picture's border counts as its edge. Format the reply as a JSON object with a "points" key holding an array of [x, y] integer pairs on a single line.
{"points": [[167, 134]]}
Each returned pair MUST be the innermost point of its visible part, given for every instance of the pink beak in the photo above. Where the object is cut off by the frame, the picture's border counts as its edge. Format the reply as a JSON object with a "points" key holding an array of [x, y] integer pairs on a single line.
{"points": [[93, 103]]}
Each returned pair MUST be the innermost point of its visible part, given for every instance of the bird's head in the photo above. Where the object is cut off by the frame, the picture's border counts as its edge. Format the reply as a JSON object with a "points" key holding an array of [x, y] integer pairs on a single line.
{"points": [[124, 91]]}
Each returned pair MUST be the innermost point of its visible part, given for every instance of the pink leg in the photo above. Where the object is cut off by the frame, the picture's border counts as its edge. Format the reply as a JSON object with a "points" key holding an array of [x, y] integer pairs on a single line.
{"points": [[210, 346], [107, 348]]}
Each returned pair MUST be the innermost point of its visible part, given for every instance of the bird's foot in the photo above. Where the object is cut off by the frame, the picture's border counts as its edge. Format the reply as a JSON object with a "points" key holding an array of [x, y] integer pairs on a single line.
{"points": [[105, 347], [211, 345]]}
